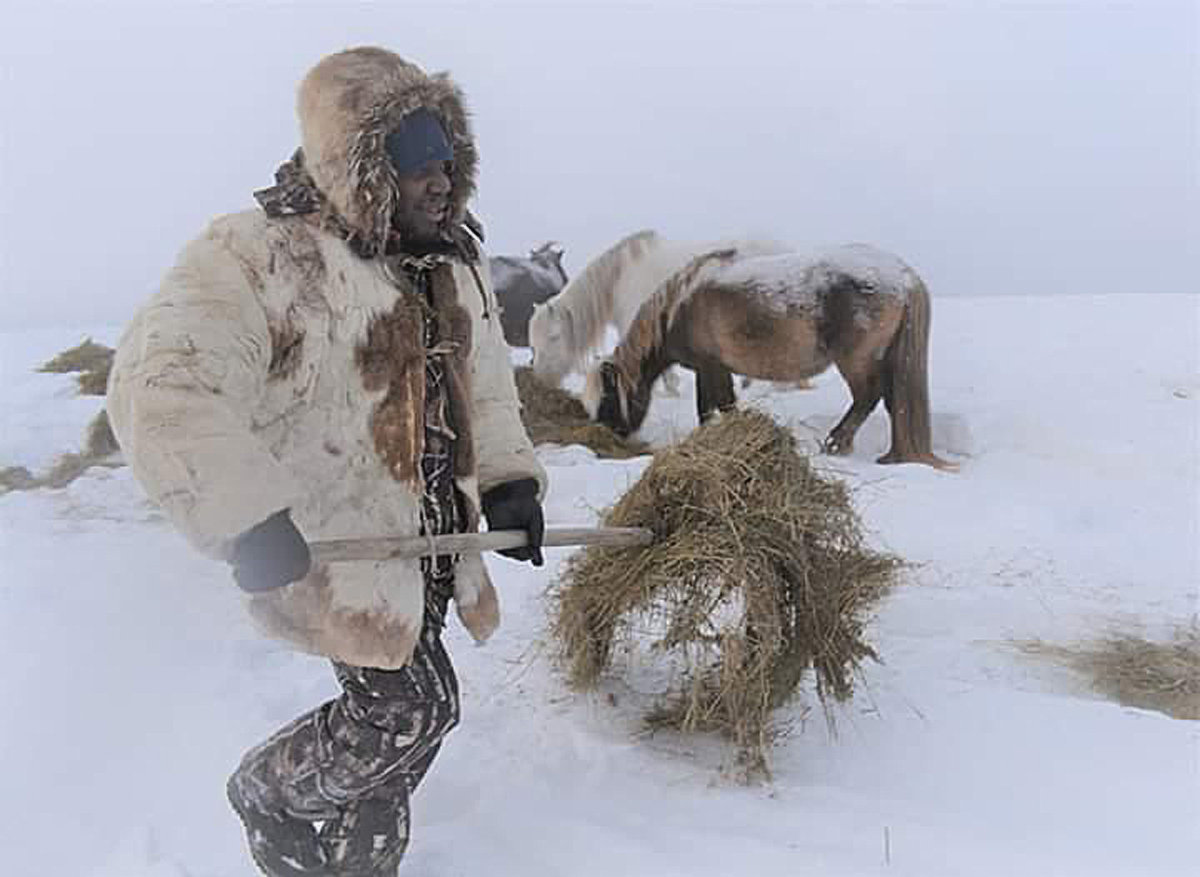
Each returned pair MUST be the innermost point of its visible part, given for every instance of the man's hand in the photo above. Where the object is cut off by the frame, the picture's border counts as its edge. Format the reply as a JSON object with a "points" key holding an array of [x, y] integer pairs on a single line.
{"points": [[270, 555], [515, 506]]}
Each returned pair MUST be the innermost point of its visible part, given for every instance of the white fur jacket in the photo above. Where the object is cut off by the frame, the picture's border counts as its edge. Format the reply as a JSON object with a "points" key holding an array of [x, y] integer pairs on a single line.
{"points": [[281, 365]]}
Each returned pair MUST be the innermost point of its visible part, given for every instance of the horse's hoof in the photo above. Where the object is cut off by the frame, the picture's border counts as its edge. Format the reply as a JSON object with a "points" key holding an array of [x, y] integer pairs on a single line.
{"points": [[836, 448], [924, 459]]}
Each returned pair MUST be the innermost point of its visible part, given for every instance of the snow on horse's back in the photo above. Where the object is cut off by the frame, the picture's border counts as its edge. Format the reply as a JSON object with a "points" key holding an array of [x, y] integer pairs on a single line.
{"points": [[782, 317]]}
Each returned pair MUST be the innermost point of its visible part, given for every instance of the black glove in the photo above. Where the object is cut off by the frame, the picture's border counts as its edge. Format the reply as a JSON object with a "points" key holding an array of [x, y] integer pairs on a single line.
{"points": [[515, 506], [270, 555]]}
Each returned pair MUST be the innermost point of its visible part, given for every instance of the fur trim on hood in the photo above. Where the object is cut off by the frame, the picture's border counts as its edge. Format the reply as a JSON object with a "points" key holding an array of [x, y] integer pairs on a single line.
{"points": [[347, 104]]}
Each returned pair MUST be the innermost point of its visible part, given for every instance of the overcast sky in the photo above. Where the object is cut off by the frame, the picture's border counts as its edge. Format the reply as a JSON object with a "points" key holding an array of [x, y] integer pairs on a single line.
{"points": [[1000, 147]]}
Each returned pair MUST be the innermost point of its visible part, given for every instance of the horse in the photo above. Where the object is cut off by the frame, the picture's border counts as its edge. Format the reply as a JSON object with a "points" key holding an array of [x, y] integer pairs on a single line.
{"points": [[521, 284], [782, 317], [565, 329]]}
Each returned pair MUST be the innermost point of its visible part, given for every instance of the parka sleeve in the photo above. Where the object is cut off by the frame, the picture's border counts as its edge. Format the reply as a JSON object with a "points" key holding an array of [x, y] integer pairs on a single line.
{"points": [[187, 376], [502, 445]]}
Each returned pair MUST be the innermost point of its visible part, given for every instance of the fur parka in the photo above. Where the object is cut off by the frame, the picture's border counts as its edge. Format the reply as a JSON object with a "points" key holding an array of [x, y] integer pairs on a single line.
{"points": [[282, 365]]}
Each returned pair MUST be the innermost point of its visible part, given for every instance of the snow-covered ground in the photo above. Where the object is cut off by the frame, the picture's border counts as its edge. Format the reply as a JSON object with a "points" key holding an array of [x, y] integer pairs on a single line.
{"points": [[132, 682]]}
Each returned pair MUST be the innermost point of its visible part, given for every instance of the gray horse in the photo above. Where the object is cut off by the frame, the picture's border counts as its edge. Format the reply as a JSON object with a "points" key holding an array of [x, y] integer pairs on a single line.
{"points": [[522, 283]]}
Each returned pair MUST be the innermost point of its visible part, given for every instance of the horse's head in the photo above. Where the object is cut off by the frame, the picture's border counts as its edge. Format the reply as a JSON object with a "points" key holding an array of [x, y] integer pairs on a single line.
{"points": [[549, 255], [604, 397], [550, 338], [608, 399]]}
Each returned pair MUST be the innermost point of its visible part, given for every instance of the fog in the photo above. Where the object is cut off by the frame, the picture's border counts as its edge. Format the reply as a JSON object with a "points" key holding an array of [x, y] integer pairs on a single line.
{"points": [[1001, 148]]}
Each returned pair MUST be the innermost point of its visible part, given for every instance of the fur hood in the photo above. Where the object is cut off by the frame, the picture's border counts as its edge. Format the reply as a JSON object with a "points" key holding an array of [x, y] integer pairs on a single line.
{"points": [[347, 104]]}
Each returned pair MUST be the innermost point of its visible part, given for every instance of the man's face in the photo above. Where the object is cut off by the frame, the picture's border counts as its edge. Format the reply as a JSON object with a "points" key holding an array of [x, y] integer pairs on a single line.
{"points": [[424, 200]]}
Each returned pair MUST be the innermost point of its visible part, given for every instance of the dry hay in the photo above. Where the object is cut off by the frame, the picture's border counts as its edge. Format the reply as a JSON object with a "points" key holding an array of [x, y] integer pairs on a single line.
{"points": [[553, 415], [1134, 671], [99, 441], [758, 572], [93, 362], [66, 469], [99, 448]]}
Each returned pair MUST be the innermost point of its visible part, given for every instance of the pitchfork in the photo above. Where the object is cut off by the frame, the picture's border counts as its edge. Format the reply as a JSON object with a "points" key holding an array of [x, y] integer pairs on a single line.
{"points": [[384, 548]]}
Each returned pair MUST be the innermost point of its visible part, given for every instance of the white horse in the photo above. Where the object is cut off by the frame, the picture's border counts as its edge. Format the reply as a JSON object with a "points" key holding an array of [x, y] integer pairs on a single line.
{"points": [[566, 329]]}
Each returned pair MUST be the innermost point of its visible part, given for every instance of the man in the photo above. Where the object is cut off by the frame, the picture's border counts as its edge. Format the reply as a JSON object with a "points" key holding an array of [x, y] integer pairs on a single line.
{"points": [[331, 366]]}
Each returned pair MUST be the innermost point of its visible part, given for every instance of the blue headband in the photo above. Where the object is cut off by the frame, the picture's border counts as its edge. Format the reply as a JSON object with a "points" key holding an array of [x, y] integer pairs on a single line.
{"points": [[416, 141]]}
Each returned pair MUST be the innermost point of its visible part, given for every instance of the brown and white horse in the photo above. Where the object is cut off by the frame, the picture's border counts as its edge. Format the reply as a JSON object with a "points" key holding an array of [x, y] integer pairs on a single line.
{"points": [[782, 317], [565, 330]]}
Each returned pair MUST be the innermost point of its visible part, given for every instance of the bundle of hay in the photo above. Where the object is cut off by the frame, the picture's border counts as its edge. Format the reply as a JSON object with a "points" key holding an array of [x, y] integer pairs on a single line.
{"points": [[757, 573], [554, 415]]}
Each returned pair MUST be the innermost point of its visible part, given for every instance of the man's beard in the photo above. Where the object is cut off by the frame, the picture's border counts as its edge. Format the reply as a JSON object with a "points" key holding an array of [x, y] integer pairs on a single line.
{"points": [[417, 232], [417, 229]]}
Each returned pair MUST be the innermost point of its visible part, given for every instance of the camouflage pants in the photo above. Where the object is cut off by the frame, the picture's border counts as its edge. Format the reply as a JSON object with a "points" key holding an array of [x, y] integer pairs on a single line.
{"points": [[329, 793]]}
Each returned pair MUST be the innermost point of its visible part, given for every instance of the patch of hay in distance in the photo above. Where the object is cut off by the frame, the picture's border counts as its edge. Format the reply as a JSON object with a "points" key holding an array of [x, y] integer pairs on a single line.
{"points": [[93, 361], [553, 415], [1134, 671]]}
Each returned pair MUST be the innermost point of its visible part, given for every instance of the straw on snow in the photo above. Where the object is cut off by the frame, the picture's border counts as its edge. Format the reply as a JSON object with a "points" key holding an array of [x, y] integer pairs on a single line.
{"points": [[93, 362], [551, 414], [1132, 670]]}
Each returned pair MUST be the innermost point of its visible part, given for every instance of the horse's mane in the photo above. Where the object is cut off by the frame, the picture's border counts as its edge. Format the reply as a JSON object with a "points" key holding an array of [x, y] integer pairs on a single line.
{"points": [[656, 315], [588, 298]]}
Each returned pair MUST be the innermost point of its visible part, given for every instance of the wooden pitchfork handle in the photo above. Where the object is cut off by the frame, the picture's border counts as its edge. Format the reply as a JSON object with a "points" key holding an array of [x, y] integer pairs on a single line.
{"points": [[384, 548]]}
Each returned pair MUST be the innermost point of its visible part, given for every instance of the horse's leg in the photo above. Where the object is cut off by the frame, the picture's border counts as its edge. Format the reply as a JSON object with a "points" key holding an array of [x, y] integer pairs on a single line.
{"points": [[906, 393], [866, 382], [714, 390]]}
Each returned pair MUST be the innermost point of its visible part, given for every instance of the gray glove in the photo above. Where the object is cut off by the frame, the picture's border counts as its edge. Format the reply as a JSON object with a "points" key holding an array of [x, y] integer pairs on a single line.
{"points": [[270, 554]]}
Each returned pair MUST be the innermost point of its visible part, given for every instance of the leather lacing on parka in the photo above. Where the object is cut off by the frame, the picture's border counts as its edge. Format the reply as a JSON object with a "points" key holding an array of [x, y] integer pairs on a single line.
{"points": [[295, 194]]}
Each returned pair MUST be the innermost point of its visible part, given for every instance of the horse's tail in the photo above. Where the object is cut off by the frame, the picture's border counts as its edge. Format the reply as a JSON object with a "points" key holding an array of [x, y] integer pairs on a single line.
{"points": [[907, 385]]}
